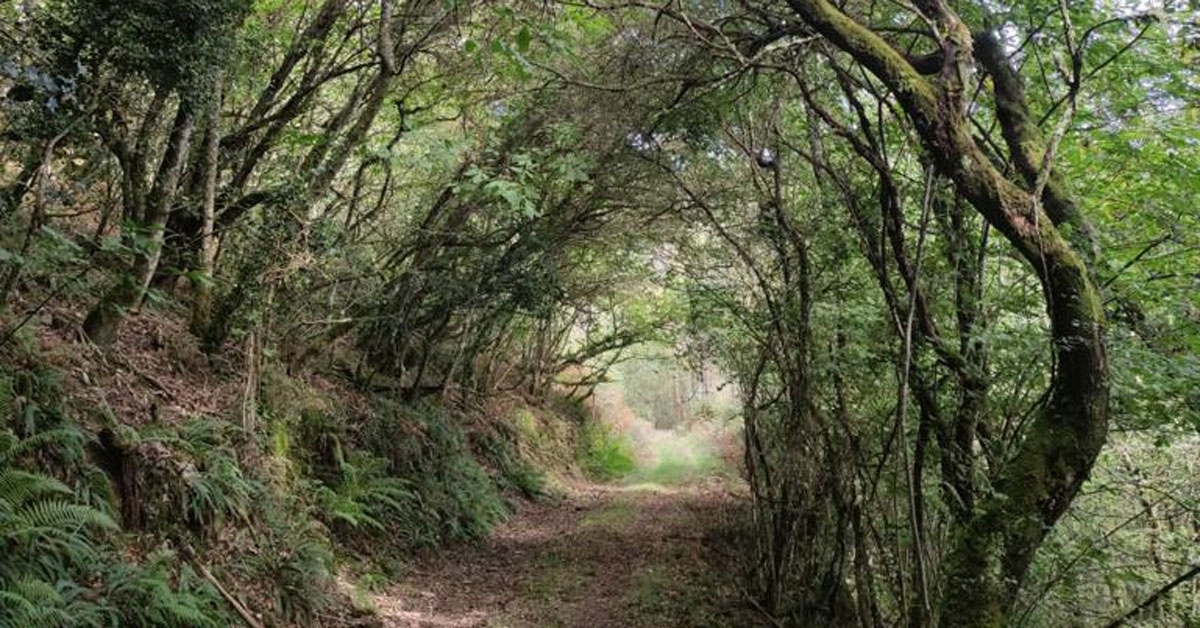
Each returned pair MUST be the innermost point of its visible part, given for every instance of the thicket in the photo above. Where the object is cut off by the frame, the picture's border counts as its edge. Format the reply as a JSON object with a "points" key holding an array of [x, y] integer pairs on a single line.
{"points": [[61, 566], [109, 523], [605, 453]]}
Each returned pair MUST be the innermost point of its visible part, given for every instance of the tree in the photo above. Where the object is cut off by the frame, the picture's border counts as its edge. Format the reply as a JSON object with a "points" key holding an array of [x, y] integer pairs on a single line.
{"points": [[178, 50], [991, 558]]}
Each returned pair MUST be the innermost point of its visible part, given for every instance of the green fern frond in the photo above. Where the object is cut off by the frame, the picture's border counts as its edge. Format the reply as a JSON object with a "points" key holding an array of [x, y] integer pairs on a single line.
{"points": [[37, 591], [62, 516], [12, 603], [18, 487], [12, 448], [146, 596], [28, 601]]}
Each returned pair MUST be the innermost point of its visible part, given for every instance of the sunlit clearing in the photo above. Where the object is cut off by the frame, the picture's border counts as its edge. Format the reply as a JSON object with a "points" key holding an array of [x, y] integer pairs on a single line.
{"points": [[679, 422]]}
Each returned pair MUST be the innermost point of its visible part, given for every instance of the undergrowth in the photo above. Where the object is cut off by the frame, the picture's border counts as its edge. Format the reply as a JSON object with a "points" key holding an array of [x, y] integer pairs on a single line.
{"points": [[297, 564], [672, 468], [458, 500], [61, 567], [604, 453], [510, 471], [108, 529]]}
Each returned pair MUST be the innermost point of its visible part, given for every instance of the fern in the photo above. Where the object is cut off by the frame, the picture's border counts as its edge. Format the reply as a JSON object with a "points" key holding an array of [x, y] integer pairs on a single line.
{"points": [[454, 497], [53, 540], [36, 591], [53, 517], [32, 602], [217, 490], [210, 487], [36, 509], [27, 600], [365, 494], [12, 448], [147, 597], [297, 561], [18, 486], [48, 538]]}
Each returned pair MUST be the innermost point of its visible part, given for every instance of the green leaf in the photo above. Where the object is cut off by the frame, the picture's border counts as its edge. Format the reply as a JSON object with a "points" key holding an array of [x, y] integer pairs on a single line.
{"points": [[7, 256], [199, 278], [523, 39]]}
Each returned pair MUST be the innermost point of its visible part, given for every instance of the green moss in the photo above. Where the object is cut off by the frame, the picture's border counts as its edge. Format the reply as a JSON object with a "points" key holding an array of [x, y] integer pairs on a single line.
{"points": [[526, 425]]}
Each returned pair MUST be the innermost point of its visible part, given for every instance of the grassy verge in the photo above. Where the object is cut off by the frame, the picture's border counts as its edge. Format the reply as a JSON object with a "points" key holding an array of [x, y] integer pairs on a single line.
{"points": [[605, 454]]}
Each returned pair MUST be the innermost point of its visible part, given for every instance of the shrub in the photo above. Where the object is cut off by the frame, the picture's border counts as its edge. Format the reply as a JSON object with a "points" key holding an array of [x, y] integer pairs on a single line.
{"points": [[604, 453], [49, 537], [296, 560], [510, 471], [456, 499], [190, 474], [364, 495], [147, 598]]}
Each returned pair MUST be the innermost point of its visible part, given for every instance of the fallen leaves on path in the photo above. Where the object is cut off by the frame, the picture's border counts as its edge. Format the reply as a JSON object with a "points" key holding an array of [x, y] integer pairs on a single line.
{"points": [[601, 557]]}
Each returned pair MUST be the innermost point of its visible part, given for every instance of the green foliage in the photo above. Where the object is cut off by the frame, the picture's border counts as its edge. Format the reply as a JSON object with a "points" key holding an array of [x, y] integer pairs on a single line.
{"points": [[153, 594], [509, 470], [364, 495], [677, 468], [174, 44], [205, 486], [556, 186], [296, 560], [322, 440], [457, 499], [38, 603], [54, 542], [39, 513], [48, 536], [604, 453], [33, 402]]}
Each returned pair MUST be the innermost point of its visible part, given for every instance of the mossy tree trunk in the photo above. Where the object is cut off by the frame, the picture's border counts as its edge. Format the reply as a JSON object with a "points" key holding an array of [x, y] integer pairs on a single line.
{"points": [[206, 263], [104, 320], [995, 545]]}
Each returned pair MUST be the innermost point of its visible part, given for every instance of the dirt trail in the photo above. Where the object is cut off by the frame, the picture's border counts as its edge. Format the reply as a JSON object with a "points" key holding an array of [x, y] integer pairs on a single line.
{"points": [[601, 557]]}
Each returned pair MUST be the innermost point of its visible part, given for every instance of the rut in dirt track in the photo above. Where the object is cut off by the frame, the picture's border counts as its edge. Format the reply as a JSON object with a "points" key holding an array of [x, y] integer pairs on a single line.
{"points": [[602, 557]]}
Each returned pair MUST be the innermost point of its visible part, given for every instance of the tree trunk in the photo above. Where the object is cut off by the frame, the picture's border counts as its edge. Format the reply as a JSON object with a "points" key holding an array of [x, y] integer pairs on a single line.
{"points": [[104, 320], [206, 266], [992, 552]]}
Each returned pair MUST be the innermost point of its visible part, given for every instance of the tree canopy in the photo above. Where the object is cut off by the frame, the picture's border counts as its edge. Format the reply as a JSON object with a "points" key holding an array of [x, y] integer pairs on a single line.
{"points": [[945, 251]]}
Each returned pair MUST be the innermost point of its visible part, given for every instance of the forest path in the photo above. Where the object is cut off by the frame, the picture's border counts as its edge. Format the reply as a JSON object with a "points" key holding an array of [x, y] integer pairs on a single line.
{"points": [[601, 557]]}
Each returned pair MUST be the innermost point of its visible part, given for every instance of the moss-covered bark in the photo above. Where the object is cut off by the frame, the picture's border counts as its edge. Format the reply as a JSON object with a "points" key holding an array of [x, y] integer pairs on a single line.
{"points": [[104, 320], [993, 549]]}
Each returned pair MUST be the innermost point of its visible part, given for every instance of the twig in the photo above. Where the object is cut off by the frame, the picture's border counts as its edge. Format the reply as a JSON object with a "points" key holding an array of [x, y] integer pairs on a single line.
{"points": [[237, 606], [1155, 597], [758, 607]]}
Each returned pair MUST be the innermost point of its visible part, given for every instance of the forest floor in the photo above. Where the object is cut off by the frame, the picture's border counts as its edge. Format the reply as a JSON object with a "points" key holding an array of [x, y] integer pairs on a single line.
{"points": [[600, 556]]}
